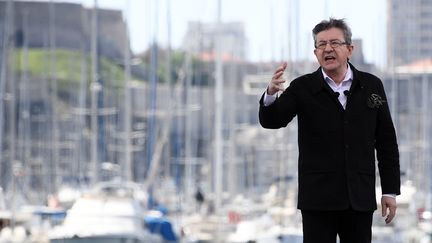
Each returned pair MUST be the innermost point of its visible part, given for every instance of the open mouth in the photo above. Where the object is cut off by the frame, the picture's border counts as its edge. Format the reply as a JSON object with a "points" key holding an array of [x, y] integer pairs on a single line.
{"points": [[329, 58]]}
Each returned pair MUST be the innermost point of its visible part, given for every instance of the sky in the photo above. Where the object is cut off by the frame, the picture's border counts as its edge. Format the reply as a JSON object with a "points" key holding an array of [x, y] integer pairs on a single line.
{"points": [[267, 23]]}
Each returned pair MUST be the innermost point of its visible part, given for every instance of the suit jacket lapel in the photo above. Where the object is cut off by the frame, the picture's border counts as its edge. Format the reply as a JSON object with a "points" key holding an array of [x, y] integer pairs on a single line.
{"points": [[318, 84], [356, 86], [356, 79]]}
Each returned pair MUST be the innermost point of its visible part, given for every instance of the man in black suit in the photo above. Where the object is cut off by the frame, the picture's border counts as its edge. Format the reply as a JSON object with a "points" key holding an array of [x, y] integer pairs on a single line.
{"points": [[343, 117]]}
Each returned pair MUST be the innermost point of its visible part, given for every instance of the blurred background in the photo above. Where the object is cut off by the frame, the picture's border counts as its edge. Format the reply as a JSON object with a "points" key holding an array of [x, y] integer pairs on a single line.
{"points": [[137, 120]]}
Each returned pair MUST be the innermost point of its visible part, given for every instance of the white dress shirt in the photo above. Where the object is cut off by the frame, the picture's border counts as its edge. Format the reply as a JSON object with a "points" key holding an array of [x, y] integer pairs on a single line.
{"points": [[340, 88]]}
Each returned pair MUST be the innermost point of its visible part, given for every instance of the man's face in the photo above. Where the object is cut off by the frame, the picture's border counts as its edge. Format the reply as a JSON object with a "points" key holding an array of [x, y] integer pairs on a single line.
{"points": [[331, 51]]}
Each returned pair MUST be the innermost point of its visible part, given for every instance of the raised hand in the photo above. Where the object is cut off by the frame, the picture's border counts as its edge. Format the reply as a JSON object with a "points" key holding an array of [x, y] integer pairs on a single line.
{"points": [[276, 84]]}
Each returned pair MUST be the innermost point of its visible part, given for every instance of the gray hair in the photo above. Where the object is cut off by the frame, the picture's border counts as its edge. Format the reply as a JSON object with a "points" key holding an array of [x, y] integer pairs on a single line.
{"points": [[333, 23]]}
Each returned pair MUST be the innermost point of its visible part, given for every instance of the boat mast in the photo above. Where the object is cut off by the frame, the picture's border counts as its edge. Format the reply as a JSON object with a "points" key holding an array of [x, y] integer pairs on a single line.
{"points": [[218, 160], [82, 97], [53, 78], [153, 82], [95, 88], [128, 175], [426, 138], [14, 163], [171, 86], [3, 75]]}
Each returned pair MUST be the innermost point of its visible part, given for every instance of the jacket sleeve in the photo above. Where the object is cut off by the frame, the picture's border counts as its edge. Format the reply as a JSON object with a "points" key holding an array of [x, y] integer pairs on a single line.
{"points": [[387, 148], [280, 112]]}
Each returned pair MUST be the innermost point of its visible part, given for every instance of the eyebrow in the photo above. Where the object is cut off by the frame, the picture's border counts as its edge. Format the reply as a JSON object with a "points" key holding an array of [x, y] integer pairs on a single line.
{"points": [[329, 40]]}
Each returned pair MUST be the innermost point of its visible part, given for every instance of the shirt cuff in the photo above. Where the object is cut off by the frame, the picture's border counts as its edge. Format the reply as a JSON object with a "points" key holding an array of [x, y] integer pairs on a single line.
{"points": [[389, 195], [269, 99]]}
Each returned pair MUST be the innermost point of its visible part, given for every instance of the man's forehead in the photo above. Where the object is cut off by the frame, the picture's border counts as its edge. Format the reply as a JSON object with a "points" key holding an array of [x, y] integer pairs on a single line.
{"points": [[332, 33]]}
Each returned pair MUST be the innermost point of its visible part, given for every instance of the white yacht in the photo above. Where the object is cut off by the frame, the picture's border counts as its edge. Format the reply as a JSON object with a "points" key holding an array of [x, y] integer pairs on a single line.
{"points": [[112, 215]]}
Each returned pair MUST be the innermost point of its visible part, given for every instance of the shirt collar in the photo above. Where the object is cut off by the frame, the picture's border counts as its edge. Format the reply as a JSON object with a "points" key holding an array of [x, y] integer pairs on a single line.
{"points": [[347, 79]]}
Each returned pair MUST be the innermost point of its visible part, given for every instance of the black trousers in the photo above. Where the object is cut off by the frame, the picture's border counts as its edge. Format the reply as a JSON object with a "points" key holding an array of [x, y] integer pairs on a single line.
{"points": [[323, 226]]}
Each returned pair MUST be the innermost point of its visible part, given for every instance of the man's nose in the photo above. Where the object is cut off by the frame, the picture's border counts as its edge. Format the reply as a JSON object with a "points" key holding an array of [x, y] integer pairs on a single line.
{"points": [[328, 47]]}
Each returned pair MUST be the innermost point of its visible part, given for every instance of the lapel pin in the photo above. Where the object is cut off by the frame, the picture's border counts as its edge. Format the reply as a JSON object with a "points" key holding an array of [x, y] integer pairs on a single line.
{"points": [[375, 101]]}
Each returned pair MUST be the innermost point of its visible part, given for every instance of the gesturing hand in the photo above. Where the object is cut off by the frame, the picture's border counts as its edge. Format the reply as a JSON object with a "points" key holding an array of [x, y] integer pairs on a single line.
{"points": [[276, 84], [388, 206]]}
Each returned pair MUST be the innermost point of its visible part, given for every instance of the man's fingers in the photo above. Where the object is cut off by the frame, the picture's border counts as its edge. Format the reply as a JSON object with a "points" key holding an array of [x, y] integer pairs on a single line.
{"points": [[277, 80], [281, 68], [389, 219], [383, 209], [391, 215], [278, 83], [284, 65], [388, 206], [277, 75]]}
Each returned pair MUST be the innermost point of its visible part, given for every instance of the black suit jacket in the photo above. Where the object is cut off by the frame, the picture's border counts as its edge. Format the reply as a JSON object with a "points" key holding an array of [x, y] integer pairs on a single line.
{"points": [[336, 164]]}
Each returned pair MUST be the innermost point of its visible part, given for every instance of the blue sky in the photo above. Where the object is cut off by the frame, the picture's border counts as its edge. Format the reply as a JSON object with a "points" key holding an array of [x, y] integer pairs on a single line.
{"points": [[266, 23]]}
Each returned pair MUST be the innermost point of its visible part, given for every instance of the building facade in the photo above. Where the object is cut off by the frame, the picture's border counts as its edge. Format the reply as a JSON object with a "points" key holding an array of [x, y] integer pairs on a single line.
{"points": [[409, 31], [200, 40], [64, 26]]}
